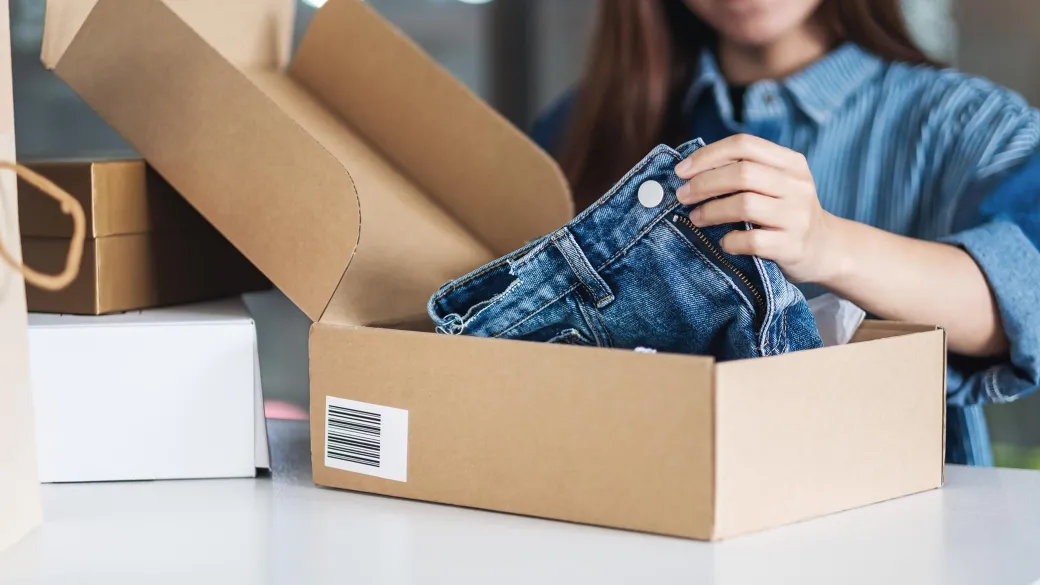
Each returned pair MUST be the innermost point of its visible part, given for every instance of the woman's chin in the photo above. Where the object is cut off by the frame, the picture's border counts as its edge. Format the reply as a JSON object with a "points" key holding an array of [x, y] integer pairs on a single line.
{"points": [[751, 36]]}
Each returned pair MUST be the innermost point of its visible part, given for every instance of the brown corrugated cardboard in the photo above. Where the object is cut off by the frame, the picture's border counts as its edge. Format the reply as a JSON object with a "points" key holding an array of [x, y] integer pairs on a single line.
{"points": [[603, 437], [364, 177], [118, 197], [255, 32], [213, 158], [19, 491], [123, 273], [849, 446], [146, 247]]}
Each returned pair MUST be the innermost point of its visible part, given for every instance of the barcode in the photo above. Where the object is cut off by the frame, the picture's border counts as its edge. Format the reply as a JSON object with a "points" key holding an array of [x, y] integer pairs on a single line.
{"points": [[366, 438], [354, 435]]}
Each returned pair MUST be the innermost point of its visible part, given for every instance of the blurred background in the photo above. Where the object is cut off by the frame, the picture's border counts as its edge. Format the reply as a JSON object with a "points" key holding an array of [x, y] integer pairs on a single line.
{"points": [[519, 55]]}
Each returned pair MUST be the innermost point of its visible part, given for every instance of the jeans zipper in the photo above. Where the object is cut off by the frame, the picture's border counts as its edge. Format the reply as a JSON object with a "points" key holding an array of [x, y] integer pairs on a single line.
{"points": [[710, 251]]}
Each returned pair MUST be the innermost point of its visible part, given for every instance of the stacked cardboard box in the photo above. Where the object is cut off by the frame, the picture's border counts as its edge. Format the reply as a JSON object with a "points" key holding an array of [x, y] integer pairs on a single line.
{"points": [[146, 247], [376, 177]]}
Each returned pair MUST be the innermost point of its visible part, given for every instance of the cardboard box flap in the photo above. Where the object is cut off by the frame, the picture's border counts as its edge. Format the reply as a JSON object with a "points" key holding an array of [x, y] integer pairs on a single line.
{"points": [[256, 33], [408, 245], [872, 329], [471, 161], [242, 161], [232, 139]]}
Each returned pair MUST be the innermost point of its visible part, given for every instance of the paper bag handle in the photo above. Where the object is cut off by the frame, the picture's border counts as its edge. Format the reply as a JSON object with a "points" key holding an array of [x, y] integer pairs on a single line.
{"points": [[69, 206]]}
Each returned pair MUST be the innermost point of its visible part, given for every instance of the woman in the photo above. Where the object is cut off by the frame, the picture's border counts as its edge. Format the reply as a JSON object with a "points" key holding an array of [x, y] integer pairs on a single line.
{"points": [[869, 171]]}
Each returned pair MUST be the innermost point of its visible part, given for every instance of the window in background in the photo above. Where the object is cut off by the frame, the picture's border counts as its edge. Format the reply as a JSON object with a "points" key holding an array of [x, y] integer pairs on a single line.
{"points": [[50, 119], [932, 25], [54, 123], [1000, 39], [451, 31], [519, 55]]}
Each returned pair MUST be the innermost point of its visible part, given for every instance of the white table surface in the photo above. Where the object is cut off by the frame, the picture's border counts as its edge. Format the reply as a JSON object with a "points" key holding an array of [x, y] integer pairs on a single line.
{"points": [[983, 527]]}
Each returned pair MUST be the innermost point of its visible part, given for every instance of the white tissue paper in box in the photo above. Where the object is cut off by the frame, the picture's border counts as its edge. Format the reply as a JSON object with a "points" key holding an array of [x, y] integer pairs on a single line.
{"points": [[837, 318]]}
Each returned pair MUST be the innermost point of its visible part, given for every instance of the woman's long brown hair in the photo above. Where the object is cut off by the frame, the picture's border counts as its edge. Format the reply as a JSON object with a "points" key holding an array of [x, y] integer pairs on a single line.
{"points": [[642, 57]]}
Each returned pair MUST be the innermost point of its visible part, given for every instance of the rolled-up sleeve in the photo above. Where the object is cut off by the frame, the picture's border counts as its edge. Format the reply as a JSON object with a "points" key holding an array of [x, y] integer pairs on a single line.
{"points": [[1011, 265], [990, 181]]}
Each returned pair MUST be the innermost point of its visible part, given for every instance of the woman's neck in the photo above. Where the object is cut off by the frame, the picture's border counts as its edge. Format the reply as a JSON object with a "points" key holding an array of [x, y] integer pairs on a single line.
{"points": [[746, 64]]}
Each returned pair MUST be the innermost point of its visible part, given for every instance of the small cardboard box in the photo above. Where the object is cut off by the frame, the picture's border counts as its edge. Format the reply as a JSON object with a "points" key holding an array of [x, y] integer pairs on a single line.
{"points": [[159, 394], [364, 176], [145, 247]]}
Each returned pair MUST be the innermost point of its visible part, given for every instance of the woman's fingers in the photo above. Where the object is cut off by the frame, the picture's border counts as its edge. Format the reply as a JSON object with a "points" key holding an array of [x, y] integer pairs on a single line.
{"points": [[763, 243], [751, 207], [742, 147], [740, 176]]}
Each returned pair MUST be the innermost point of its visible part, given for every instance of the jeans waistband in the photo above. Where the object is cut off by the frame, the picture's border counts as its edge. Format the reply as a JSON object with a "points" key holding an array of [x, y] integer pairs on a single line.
{"points": [[618, 219]]}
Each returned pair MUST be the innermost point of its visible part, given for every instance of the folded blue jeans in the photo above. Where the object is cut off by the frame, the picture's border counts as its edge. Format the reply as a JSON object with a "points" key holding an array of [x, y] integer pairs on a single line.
{"points": [[632, 271]]}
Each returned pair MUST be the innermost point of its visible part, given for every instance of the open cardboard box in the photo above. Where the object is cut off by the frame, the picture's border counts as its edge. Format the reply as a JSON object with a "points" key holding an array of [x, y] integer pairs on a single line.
{"points": [[363, 176]]}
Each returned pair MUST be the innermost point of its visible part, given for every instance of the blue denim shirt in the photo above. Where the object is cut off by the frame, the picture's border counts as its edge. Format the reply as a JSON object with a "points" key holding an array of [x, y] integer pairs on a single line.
{"points": [[923, 152]]}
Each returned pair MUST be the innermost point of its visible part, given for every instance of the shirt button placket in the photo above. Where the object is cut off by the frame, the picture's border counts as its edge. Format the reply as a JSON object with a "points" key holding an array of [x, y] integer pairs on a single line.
{"points": [[765, 110]]}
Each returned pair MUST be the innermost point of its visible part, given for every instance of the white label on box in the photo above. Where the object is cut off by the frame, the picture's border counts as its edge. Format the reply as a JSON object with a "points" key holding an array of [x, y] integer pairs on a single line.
{"points": [[366, 438]]}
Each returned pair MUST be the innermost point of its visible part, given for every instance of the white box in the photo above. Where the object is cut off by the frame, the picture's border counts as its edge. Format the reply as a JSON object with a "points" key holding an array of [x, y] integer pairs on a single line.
{"points": [[169, 393]]}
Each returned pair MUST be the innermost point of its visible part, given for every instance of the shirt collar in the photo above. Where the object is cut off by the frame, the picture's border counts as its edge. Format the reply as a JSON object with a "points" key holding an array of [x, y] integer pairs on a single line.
{"points": [[818, 90]]}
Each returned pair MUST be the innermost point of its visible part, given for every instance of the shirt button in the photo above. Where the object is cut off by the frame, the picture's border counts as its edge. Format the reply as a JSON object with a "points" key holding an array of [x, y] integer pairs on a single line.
{"points": [[651, 194], [769, 98]]}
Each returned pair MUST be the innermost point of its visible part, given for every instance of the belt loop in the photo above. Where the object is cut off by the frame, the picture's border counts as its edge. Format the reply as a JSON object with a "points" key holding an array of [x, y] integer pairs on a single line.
{"points": [[588, 276]]}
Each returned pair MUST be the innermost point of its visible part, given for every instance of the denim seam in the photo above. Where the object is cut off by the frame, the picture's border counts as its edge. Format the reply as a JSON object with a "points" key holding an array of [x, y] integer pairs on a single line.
{"points": [[490, 303], [768, 346], [765, 342], [530, 255], [602, 331], [783, 334], [642, 234], [711, 265], [585, 318], [455, 285], [634, 171], [492, 266], [569, 334], [603, 326], [767, 319], [583, 270], [539, 309], [527, 257]]}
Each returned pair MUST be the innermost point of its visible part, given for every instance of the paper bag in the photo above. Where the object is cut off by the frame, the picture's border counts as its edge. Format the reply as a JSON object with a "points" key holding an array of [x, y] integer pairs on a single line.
{"points": [[19, 490], [20, 509]]}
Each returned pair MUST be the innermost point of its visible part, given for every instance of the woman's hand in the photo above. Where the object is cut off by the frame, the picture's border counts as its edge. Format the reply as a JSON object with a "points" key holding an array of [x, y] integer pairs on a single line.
{"points": [[893, 277], [769, 186]]}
